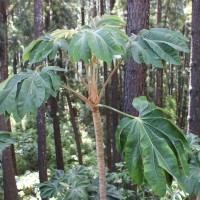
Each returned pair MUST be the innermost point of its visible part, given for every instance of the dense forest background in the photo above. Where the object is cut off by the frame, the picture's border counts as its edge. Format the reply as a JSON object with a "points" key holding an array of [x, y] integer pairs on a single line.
{"points": [[61, 136]]}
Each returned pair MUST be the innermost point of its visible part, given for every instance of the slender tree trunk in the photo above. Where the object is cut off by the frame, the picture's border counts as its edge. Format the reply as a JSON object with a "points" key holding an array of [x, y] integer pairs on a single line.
{"points": [[194, 98], [115, 116], [47, 14], [100, 151], [167, 11], [54, 109], [15, 63], [74, 126], [101, 7], [184, 109], [108, 131], [94, 8], [9, 182], [41, 121], [135, 74], [159, 72], [179, 94], [56, 132], [112, 4], [171, 83], [83, 13]]}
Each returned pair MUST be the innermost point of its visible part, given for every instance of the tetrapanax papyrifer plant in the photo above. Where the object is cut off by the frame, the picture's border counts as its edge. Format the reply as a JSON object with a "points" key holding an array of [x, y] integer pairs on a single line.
{"points": [[152, 145]]}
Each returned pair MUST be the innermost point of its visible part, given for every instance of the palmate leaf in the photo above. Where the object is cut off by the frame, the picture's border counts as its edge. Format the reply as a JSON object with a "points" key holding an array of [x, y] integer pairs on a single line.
{"points": [[110, 20], [6, 139], [152, 147], [77, 174], [79, 48], [48, 190], [45, 47], [193, 180], [103, 42], [77, 191], [26, 92], [154, 45], [162, 35], [112, 193]]}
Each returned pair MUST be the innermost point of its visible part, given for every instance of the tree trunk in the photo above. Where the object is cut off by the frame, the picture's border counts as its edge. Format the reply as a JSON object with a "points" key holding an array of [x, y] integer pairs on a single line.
{"points": [[41, 121], [100, 151], [135, 74], [179, 94], [101, 7], [76, 134], [83, 13], [9, 183], [159, 72], [47, 14], [56, 133], [42, 157], [54, 109], [112, 4], [194, 97], [167, 11], [108, 131], [115, 116], [94, 8], [159, 87]]}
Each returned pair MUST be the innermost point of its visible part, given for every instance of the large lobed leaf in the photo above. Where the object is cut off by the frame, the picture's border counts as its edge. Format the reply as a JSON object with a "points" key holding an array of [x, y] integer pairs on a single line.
{"points": [[104, 41], [25, 92], [193, 180], [153, 147], [157, 44]]}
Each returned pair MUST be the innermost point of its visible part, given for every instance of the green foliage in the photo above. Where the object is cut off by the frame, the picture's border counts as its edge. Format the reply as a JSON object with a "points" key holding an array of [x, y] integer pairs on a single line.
{"points": [[157, 44], [26, 91], [105, 39], [76, 184], [26, 150], [155, 143], [193, 180], [6, 139], [46, 47]]}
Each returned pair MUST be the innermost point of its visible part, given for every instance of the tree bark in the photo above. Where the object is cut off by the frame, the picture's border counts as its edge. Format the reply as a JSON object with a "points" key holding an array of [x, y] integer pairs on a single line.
{"points": [[41, 121], [167, 11], [76, 134], [159, 72], [100, 151], [56, 133], [47, 14], [108, 130], [112, 4], [83, 13], [179, 94], [94, 8], [194, 97], [9, 182], [115, 116], [135, 74], [101, 7]]}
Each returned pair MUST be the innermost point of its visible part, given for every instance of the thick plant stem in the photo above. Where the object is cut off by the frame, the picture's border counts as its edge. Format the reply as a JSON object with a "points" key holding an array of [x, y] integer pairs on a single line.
{"points": [[100, 151]]}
